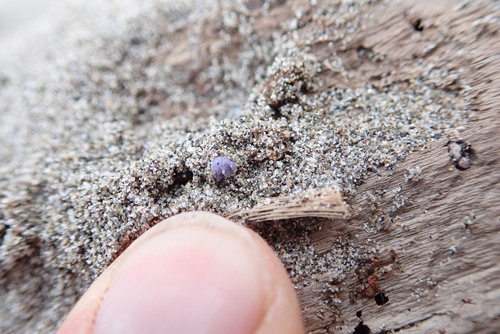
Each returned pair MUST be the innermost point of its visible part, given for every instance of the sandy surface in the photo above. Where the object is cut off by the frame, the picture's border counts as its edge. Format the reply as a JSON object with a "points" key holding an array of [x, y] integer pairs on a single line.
{"points": [[110, 115]]}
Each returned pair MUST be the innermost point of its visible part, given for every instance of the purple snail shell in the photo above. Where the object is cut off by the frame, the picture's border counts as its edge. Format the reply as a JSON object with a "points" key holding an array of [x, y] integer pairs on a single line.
{"points": [[222, 168]]}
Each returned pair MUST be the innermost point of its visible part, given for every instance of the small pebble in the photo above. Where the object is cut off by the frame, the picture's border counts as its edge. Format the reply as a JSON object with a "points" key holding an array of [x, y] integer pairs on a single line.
{"points": [[455, 151], [460, 153], [222, 168], [463, 163]]}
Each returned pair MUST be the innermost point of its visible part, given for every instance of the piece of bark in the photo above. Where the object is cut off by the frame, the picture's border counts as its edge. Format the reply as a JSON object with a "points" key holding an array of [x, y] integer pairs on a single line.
{"points": [[324, 203]]}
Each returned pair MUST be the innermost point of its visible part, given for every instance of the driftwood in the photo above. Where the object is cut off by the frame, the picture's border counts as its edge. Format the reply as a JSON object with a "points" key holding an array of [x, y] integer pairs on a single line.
{"points": [[439, 267]]}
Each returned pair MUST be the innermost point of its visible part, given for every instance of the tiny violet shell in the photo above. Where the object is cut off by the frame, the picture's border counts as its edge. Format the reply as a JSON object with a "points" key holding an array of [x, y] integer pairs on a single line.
{"points": [[222, 168]]}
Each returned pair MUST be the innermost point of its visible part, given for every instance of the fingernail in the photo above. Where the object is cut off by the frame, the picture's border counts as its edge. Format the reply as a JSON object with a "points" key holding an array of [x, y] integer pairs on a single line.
{"points": [[187, 279]]}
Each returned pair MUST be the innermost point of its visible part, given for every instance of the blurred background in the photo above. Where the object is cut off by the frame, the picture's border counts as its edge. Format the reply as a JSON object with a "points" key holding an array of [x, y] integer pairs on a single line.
{"points": [[16, 15]]}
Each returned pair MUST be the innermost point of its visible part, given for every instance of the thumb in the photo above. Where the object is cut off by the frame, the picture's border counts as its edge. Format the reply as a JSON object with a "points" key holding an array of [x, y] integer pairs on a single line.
{"points": [[193, 273]]}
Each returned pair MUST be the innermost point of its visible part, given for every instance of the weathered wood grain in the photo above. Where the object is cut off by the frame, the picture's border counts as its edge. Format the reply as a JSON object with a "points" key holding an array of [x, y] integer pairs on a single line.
{"points": [[446, 234]]}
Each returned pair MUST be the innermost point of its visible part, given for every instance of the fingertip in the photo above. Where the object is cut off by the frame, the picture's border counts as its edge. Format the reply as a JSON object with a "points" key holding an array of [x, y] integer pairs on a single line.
{"points": [[81, 319], [190, 273], [283, 313]]}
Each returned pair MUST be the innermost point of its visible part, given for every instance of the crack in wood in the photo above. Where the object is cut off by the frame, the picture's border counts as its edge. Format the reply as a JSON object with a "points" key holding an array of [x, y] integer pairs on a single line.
{"points": [[412, 323]]}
